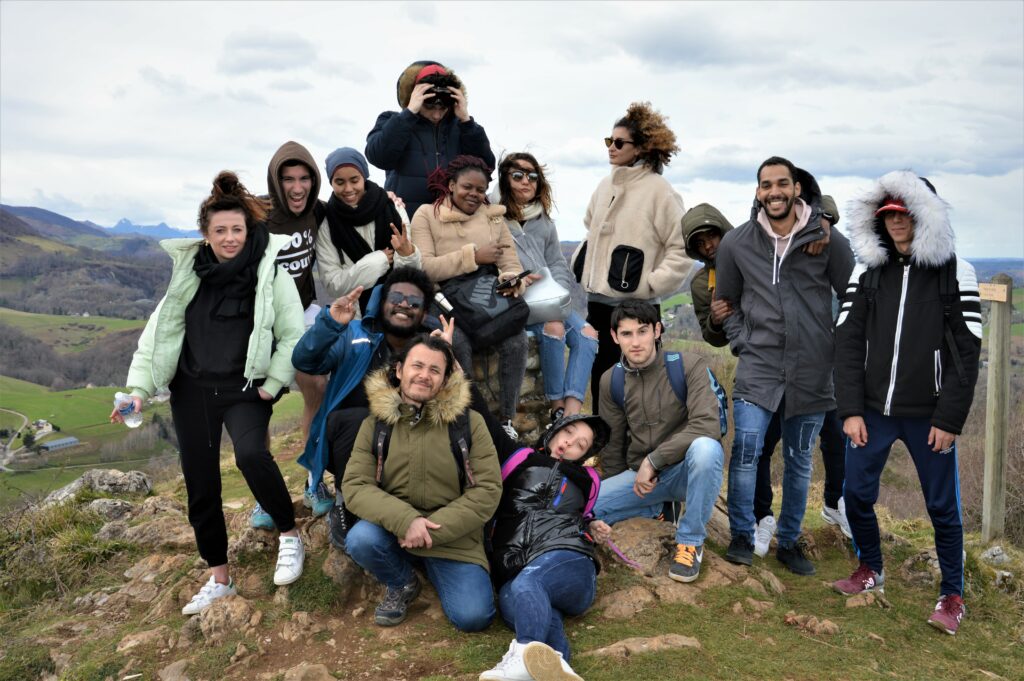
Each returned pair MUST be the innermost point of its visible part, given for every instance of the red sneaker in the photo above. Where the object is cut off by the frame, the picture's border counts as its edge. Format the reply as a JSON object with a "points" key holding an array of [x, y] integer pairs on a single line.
{"points": [[863, 579], [948, 613]]}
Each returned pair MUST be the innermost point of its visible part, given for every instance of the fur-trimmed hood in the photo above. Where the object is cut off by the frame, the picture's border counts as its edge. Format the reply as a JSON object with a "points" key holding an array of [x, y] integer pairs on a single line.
{"points": [[386, 402], [934, 240], [407, 80]]}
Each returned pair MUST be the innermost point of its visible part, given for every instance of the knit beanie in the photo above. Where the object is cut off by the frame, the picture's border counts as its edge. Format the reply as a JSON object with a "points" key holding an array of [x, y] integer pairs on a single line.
{"points": [[347, 156]]}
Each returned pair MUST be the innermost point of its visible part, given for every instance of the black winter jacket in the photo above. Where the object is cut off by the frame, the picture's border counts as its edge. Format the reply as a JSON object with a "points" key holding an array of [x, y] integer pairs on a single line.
{"points": [[409, 148], [542, 505], [891, 354]]}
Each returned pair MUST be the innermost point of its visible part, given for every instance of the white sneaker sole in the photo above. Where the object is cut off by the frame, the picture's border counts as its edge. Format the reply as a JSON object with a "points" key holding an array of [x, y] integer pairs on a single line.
{"points": [[835, 523], [545, 664]]}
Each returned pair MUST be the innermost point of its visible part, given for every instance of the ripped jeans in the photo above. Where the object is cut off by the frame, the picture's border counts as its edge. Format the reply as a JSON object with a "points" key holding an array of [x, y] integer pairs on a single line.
{"points": [[563, 379], [798, 436]]}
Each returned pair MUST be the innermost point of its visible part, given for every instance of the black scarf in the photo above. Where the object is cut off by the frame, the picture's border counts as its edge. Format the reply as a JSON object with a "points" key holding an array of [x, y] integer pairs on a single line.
{"points": [[375, 207], [233, 280]]}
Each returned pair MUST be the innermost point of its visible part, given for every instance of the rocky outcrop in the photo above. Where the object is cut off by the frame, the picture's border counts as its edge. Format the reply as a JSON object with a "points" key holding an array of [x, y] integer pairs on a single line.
{"points": [[104, 481]]}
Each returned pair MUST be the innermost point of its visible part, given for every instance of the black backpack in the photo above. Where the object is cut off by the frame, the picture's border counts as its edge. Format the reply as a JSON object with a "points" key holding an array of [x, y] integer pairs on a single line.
{"points": [[459, 436]]}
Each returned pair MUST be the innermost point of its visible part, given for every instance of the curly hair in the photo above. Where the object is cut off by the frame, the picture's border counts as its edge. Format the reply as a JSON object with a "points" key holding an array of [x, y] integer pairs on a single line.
{"points": [[438, 180], [229, 193], [506, 166], [650, 132]]}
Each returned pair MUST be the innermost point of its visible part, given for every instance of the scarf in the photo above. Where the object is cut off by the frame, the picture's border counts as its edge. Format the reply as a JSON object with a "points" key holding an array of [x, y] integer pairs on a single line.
{"points": [[233, 280], [343, 219]]}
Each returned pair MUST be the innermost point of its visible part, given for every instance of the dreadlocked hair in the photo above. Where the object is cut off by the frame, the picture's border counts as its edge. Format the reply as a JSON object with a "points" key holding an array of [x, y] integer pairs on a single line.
{"points": [[650, 131], [507, 165], [437, 181], [230, 194]]}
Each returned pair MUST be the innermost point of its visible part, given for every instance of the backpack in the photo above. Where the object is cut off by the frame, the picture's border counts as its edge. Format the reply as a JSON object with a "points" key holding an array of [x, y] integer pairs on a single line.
{"points": [[948, 292], [677, 379], [459, 436], [484, 315]]}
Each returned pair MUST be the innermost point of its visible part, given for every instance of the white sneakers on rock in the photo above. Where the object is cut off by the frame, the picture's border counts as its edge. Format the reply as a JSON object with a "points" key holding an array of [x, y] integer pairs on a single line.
{"points": [[534, 661], [837, 516], [210, 592], [763, 533], [290, 556]]}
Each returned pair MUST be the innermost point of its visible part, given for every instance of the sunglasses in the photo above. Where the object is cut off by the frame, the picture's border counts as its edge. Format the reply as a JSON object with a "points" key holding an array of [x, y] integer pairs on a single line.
{"points": [[518, 176], [413, 301], [618, 142]]}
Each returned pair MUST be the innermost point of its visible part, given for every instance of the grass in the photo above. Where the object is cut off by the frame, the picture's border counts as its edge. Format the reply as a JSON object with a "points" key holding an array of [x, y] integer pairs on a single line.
{"points": [[66, 334], [677, 299], [85, 410], [10, 421]]}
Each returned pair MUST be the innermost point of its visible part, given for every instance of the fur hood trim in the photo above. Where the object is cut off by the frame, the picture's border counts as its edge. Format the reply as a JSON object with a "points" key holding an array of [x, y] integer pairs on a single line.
{"points": [[934, 240], [407, 80], [386, 402]]}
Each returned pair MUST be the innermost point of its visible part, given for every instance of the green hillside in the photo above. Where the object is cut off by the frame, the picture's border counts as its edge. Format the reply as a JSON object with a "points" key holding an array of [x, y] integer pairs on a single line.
{"points": [[66, 334]]}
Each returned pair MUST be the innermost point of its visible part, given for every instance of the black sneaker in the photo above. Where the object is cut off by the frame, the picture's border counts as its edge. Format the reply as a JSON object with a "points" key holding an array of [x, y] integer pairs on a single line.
{"points": [[557, 414], [741, 551], [794, 559], [686, 564], [393, 609], [340, 520]]}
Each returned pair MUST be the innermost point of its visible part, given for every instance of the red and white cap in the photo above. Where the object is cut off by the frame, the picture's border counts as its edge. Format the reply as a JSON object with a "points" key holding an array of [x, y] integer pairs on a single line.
{"points": [[892, 204]]}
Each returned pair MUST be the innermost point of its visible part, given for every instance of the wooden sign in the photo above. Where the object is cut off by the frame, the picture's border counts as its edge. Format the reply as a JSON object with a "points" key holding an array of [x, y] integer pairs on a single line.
{"points": [[994, 292]]}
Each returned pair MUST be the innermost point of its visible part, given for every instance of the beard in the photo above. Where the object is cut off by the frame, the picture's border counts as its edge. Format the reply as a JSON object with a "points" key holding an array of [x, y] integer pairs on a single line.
{"points": [[786, 211], [397, 330]]}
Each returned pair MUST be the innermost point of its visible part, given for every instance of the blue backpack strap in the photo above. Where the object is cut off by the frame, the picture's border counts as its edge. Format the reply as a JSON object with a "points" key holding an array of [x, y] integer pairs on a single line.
{"points": [[676, 374], [619, 385]]}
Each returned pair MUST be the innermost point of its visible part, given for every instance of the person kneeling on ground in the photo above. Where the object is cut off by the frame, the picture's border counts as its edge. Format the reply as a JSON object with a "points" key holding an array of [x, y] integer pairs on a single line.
{"points": [[543, 557], [419, 505], [673, 451]]}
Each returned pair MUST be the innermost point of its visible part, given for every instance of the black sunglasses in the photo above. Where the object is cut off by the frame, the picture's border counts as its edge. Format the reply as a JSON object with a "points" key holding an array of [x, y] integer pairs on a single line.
{"points": [[618, 142], [414, 301], [518, 176]]}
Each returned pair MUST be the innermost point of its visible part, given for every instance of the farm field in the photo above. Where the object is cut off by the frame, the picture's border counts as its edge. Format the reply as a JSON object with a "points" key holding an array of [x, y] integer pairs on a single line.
{"points": [[66, 334]]}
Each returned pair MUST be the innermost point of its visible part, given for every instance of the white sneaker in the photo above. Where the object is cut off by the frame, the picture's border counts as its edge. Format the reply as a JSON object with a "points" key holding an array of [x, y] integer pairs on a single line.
{"points": [[837, 516], [511, 667], [210, 592], [510, 430], [290, 556], [763, 534], [544, 663]]}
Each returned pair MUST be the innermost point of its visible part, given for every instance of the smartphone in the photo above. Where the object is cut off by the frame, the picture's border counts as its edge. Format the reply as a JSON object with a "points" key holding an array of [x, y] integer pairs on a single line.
{"points": [[514, 281]]}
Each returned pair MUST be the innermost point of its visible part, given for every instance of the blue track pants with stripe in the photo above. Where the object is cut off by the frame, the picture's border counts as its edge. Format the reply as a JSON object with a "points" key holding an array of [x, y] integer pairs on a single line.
{"points": [[940, 482]]}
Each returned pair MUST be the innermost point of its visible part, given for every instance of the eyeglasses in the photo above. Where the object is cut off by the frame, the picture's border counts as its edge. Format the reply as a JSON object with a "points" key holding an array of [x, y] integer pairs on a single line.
{"points": [[518, 176], [413, 301], [618, 142]]}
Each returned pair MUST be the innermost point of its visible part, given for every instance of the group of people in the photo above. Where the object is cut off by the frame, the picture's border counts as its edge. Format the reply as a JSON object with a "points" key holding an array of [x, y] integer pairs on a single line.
{"points": [[425, 477]]}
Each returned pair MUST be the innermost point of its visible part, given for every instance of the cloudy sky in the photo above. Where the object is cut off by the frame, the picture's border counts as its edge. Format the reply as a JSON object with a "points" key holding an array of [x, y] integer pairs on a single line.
{"points": [[129, 109]]}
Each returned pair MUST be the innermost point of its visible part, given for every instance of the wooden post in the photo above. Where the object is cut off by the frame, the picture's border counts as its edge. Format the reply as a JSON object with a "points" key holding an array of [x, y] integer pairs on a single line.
{"points": [[993, 515]]}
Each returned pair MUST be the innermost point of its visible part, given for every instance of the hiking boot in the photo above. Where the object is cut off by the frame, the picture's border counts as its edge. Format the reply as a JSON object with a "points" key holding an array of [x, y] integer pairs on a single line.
{"points": [[837, 516], [210, 592], [948, 613], [763, 533], [686, 565], [393, 609], [863, 579], [510, 430], [290, 556], [544, 663], [318, 499], [260, 519], [740, 551], [340, 520], [794, 559], [511, 667]]}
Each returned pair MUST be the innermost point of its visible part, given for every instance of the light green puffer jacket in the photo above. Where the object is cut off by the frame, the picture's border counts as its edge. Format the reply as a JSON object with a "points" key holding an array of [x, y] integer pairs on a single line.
{"points": [[277, 315]]}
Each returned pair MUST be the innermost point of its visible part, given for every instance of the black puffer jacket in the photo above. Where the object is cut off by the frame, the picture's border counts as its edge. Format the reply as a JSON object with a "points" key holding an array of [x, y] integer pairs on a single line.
{"points": [[542, 505]]}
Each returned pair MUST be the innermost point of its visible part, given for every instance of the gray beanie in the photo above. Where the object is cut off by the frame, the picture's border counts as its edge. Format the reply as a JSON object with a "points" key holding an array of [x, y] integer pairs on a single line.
{"points": [[347, 156]]}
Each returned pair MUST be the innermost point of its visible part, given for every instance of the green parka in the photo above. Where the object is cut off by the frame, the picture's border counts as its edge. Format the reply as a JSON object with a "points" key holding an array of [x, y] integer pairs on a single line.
{"points": [[698, 219], [277, 316], [420, 476]]}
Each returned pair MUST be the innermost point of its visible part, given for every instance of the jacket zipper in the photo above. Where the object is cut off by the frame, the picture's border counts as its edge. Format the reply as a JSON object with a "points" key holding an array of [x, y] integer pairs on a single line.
{"points": [[896, 342], [622, 276], [938, 372]]}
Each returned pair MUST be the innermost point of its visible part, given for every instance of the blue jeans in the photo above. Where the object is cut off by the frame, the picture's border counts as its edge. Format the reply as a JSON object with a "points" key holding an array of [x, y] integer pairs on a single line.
{"points": [[563, 380], [798, 436], [697, 480], [553, 584], [464, 588]]}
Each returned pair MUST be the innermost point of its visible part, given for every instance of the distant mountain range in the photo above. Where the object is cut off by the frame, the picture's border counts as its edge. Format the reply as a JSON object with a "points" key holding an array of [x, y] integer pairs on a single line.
{"points": [[51, 224], [161, 231]]}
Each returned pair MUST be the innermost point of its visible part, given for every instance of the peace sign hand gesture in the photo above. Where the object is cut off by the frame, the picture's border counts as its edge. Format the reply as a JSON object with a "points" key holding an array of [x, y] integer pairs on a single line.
{"points": [[344, 309], [400, 241], [447, 330]]}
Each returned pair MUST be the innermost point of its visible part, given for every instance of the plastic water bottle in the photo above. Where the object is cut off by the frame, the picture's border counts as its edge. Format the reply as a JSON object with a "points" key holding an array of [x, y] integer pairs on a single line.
{"points": [[126, 406]]}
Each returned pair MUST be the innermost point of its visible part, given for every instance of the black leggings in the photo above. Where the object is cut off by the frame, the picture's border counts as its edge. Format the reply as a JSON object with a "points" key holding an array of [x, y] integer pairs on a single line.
{"points": [[608, 352], [199, 414], [833, 455]]}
